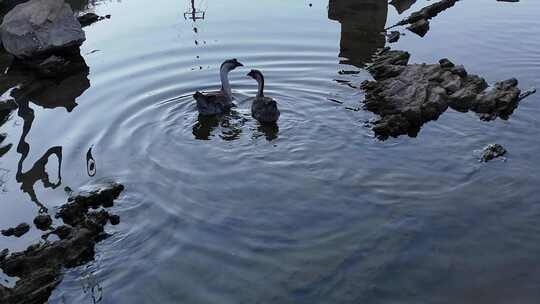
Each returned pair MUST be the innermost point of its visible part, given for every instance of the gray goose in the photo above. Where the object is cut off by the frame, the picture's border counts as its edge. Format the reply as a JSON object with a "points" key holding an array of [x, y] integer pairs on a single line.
{"points": [[215, 103], [264, 109]]}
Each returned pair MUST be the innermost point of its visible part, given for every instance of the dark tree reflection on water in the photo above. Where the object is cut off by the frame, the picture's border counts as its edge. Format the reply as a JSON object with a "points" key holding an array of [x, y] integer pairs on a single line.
{"points": [[402, 5], [362, 27], [49, 93]]}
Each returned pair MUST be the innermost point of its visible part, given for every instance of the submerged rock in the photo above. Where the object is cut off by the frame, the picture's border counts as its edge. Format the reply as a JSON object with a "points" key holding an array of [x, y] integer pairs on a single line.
{"points": [[408, 95], [41, 27], [39, 267], [18, 231], [492, 151]]}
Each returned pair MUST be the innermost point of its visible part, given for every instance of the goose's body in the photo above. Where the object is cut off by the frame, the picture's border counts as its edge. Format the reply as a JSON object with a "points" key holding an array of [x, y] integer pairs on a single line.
{"points": [[264, 109], [215, 103]]}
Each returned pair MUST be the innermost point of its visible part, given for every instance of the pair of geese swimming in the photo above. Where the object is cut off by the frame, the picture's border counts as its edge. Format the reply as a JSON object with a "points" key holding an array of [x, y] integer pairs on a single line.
{"points": [[263, 109]]}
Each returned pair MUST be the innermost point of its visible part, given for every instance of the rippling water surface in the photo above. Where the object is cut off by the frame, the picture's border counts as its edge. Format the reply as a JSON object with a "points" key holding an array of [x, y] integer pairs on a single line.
{"points": [[315, 211]]}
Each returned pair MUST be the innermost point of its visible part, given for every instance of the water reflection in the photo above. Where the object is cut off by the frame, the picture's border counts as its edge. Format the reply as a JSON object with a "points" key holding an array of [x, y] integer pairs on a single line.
{"points": [[229, 125], [402, 5], [38, 171], [362, 27], [49, 93], [193, 13], [90, 163], [269, 131]]}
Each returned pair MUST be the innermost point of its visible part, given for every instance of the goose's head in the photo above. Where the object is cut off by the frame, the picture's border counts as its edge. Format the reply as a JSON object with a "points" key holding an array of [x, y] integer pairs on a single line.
{"points": [[257, 75], [231, 64]]}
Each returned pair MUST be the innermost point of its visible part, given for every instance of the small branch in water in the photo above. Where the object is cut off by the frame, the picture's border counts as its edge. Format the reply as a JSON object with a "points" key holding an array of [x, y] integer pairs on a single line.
{"points": [[526, 94], [335, 100]]}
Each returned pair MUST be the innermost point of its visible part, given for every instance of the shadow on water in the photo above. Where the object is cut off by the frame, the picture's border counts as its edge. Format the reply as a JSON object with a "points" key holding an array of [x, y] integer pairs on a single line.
{"points": [[362, 26], [269, 131], [27, 88]]}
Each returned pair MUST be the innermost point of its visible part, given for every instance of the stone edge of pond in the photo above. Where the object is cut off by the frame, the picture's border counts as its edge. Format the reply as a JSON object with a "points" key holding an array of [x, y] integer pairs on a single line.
{"points": [[39, 267]]}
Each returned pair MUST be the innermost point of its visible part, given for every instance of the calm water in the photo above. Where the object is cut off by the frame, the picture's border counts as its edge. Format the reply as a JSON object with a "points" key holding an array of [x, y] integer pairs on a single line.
{"points": [[316, 212]]}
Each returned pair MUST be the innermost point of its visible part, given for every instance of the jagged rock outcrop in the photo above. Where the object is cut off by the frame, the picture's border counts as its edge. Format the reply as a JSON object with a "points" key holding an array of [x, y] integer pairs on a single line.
{"points": [[408, 95]]}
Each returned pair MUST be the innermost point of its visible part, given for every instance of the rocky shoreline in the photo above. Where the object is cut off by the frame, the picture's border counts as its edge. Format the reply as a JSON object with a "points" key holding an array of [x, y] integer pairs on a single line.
{"points": [[39, 267]]}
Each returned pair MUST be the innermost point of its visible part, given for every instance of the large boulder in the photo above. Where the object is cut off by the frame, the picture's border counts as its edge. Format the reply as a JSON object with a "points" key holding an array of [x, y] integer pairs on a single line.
{"points": [[41, 27]]}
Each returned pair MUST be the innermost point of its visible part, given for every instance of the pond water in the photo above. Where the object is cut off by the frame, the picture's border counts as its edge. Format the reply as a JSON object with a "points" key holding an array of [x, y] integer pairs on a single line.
{"points": [[315, 211]]}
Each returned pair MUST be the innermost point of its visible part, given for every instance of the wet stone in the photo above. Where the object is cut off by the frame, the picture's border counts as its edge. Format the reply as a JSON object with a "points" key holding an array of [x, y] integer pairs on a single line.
{"points": [[114, 219], [446, 63], [43, 222], [492, 151], [39, 267], [91, 18], [63, 232], [88, 18], [18, 231], [406, 96]]}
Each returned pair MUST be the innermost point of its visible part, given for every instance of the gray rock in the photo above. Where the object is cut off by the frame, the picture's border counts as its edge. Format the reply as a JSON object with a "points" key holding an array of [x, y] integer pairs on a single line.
{"points": [[492, 151], [88, 18], [446, 63], [18, 231], [500, 101], [91, 18], [40, 27], [39, 267], [114, 219], [43, 222], [408, 95]]}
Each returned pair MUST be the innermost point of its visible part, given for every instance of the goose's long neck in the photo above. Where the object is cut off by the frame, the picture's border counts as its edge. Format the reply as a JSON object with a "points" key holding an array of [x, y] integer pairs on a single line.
{"points": [[225, 85], [260, 82]]}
